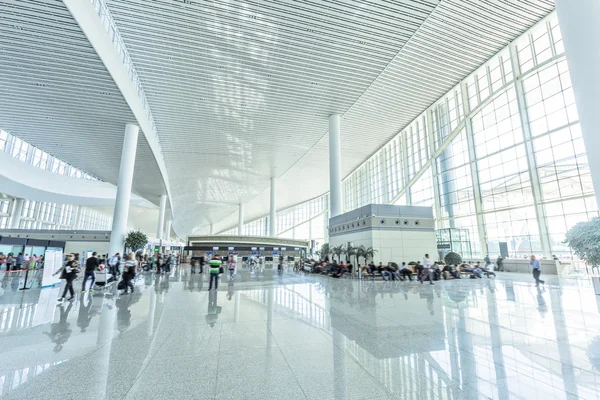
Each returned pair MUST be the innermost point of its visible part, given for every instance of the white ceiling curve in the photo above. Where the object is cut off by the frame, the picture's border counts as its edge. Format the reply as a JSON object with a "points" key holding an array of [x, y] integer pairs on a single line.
{"points": [[239, 89]]}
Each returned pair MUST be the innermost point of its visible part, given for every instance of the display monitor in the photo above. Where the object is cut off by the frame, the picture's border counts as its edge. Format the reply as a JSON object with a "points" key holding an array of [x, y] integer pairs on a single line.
{"points": [[253, 248], [230, 248], [261, 248], [215, 248], [275, 248]]}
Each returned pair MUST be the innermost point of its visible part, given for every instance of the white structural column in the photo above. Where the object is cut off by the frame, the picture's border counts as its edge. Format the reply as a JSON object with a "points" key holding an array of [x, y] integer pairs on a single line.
{"points": [[580, 28], [17, 211], [273, 213], [168, 231], [534, 175], [335, 166], [212, 232], [241, 220], [481, 231], [161, 217], [434, 166], [119, 224]]}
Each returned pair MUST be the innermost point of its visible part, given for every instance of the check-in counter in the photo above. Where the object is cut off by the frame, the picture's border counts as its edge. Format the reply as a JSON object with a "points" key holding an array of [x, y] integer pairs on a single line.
{"points": [[550, 267]]}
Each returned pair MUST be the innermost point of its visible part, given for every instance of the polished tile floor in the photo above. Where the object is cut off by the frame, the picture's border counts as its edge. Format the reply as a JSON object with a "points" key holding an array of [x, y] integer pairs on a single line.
{"points": [[302, 337]]}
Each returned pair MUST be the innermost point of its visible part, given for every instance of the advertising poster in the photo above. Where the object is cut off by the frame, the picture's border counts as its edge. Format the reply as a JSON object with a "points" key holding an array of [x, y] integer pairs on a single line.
{"points": [[52, 262]]}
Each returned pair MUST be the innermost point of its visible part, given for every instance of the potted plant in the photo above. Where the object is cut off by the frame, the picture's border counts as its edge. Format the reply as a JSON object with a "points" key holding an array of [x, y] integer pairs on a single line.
{"points": [[325, 251], [584, 239], [136, 240], [453, 258], [338, 251]]}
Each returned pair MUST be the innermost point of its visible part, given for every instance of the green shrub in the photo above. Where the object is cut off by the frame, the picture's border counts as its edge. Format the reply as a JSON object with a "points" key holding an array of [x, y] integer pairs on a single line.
{"points": [[453, 258]]}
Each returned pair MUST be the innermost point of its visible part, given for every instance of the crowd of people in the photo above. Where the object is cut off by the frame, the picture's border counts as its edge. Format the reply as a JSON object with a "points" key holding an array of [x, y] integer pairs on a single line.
{"points": [[10, 262], [427, 271]]}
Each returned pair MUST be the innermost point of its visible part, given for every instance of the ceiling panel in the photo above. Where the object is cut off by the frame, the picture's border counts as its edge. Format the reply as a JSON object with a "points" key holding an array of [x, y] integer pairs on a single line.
{"points": [[239, 89], [56, 94]]}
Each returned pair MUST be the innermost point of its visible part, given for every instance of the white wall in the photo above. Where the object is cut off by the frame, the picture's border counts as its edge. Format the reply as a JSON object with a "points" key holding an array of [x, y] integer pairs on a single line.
{"points": [[392, 245], [79, 247]]}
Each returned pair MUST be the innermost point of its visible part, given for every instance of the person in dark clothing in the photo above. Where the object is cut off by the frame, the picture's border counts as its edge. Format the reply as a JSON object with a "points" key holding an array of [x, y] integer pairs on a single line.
{"points": [[91, 264], [69, 273], [450, 270], [500, 263], [129, 272]]}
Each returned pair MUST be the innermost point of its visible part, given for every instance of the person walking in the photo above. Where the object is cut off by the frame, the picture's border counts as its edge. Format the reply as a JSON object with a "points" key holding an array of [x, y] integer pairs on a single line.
{"points": [[215, 269], [9, 261], [68, 273], [129, 273], [113, 263], [500, 263], [536, 269], [487, 260], [427, 270], [91, 264]]}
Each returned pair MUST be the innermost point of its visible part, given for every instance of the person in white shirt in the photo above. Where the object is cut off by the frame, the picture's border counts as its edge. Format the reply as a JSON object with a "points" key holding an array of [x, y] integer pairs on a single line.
{"points": [[427, 270], [113, 262]]}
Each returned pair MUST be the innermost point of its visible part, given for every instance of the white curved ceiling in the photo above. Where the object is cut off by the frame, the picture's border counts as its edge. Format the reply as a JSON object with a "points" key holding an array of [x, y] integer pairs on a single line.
{"points": [[56, 94], [241, 90]]}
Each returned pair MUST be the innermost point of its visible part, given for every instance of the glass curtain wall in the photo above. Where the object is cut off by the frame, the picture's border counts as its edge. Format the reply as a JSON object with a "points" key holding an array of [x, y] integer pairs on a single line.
{"points": [[478, 153], [305, 221], [25, 152], [43, 215]]}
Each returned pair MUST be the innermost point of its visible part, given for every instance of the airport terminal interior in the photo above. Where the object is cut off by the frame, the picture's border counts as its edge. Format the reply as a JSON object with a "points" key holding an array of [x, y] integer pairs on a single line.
{"points": [[299, 199]]}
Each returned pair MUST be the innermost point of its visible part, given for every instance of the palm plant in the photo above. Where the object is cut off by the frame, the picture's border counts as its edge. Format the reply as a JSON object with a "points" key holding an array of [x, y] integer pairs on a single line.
{"points": [[360, 252], [351, 251], [338, 251], [325, 251], [369, 253]]}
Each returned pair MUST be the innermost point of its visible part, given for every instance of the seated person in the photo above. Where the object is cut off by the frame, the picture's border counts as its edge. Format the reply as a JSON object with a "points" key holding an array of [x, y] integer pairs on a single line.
{"points": [[372, 268], [419, 269], [465, 267], [478, 272], [450, 271], [405, 272], [380, 268], [487, 272], [386, 273]]}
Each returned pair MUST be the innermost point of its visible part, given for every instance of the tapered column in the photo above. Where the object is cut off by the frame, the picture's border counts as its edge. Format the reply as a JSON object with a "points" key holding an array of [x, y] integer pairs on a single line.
{"points": [[273, 214], [119, 224], [161, 217], [212, 232], [579, 23], [241, 220], [335, 166], [17, 211], [168, 231]]}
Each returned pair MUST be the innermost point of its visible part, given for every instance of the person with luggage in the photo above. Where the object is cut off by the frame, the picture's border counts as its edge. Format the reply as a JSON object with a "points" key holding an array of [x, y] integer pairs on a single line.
{"points": [[128, 274], [68, 272], [91, 264], [215, 270]]}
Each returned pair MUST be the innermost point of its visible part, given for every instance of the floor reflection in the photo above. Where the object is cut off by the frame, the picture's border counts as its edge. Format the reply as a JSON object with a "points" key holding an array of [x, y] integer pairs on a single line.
{"points": [[262, 335]]}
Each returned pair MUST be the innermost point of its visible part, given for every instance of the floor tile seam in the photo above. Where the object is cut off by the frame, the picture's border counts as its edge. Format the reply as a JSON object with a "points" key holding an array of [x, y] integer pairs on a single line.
{"points": [[146, 363], [292, 371]]}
